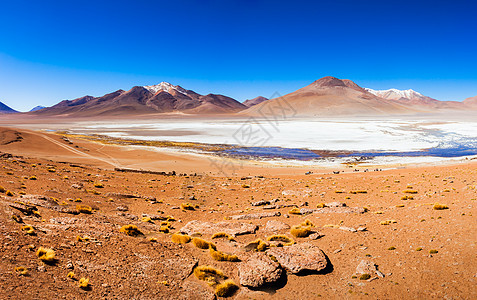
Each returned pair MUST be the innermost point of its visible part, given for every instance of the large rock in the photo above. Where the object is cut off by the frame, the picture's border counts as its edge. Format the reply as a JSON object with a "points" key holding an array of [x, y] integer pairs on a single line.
{"points": [[300, 257], [274, 226], [233, 228], [191, 290], [255, 216], [259, 270]]}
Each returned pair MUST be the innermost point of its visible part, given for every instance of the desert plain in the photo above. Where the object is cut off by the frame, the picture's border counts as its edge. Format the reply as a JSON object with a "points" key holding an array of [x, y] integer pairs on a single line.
{"points": [[129, 223]]}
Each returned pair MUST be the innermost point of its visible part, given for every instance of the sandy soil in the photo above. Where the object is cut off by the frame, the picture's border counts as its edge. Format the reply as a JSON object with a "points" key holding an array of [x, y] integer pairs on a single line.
{"points": [[152, 266]]}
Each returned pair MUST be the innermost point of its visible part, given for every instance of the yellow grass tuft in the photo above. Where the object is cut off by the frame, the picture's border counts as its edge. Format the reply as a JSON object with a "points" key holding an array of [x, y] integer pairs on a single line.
{"points": [[2, 189], [9, 193], [17, 218], [146, 219], [407, 197], [300, 231], [294, 211], [364, 277], [46, 255], [22, 271], [83, 283], [187, 206], [387, 222], [226, 288], [28, 229], [70, 275], [82, 239], [222, 235], [99, 185], [202, 244], [130, 230], [438, 206], [85, 209], [433, 251], [220, 256], [410, 191], [180, 238], [208, 274], [32, 178], [281, 238], [320, 205]]}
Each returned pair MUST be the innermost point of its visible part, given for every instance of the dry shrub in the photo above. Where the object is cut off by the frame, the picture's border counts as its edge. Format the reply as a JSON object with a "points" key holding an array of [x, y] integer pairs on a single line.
{"points": [[208, 274], [257, 245], [28, 229], [294, 211], [226, 288], [281, 238], [83, 283], [180, 238], [202, 244], [130, 230], [220, 256], [85, 209], [438, 206], [46, 255], [22, 271], [222, 235], [187, 206]]}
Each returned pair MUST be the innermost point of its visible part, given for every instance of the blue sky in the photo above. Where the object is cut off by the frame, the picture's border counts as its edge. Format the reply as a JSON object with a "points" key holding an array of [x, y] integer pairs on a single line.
{"points": [[55, 50]]}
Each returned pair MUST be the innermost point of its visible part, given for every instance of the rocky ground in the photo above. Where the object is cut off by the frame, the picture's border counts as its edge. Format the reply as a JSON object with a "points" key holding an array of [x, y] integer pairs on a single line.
{"points": [[357, 235]]}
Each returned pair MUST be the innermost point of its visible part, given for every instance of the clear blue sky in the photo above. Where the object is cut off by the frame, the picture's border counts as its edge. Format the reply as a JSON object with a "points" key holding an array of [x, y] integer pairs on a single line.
{"points": [[54, 50]]}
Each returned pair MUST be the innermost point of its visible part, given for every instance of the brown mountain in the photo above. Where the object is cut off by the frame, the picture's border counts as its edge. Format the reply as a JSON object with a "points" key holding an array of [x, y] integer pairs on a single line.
{"points": [[160, 98], [330, 96], [471, 102], [254, 101]]}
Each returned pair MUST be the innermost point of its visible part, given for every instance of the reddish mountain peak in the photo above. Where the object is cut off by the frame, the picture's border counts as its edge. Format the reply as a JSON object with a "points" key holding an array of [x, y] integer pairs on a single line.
{"points": [[328, 81]]}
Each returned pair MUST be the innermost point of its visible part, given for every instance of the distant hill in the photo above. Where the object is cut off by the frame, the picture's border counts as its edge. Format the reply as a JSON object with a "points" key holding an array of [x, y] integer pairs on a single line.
{"points": [[5, 109], [37, 108], [160, 98], [254, 101]]}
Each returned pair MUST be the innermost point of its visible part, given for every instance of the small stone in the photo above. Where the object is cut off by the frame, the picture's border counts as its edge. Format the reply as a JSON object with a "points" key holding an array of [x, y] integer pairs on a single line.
{"points": [[362, 228], [41, 269], [315, 236], [69, 265], [337, 251]]}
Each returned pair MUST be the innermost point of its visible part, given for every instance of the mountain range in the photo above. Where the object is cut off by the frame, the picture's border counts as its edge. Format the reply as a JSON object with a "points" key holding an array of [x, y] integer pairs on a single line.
{"points": [[328, 96]]}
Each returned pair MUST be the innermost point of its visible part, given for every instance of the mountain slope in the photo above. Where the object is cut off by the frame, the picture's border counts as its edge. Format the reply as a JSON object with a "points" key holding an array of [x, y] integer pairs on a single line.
{"points": [[471, 102], [330, 96], [160, 98], [38, 107], [254, 101], [5, 109]]}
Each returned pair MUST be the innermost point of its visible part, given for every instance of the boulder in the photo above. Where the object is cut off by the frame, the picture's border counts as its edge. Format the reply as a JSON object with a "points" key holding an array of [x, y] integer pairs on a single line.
{"points": [[300, 257], [274, 226], [232, 228], [259, 270], [255, 216]]}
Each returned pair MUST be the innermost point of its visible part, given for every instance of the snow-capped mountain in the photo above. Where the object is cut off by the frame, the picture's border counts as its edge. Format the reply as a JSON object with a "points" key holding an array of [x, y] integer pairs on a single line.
{"points": [[38, 107], [395, 94], [166, 87]]}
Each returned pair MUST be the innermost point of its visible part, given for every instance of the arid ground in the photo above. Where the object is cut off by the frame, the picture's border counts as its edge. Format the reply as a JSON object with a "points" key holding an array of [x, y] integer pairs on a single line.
{"points": [[407, 233]]}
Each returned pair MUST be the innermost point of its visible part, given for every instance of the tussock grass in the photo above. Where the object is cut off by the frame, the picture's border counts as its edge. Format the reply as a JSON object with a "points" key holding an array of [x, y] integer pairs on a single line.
{"points": [[180, 238], [82, 239], [17, 218], [46, 255], [281, 238], [222, 235], [407, 197], [438, 206], [294, 211], [300, 231], [433, 251], [83, 283], [320, 205], [221, 256], [22, 271], [99, 185], [358, 192], [146, 219], [202, 244], [70, 275], [188, 206], [226, 288], [257, 245], [130, 230], [208, 274], [9, 193], [85, 209], [364, 276], [387, 222], [410, 191], [28, 229]]}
